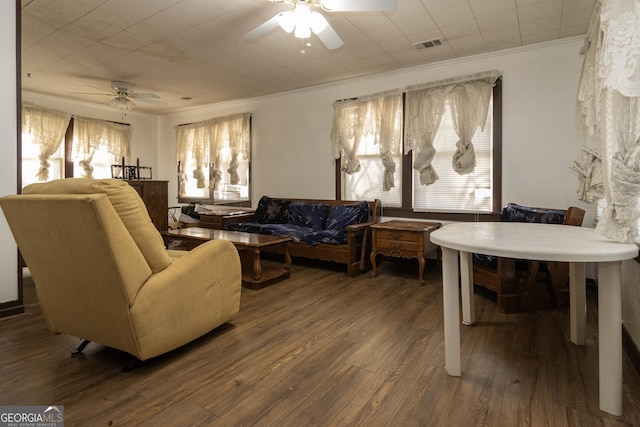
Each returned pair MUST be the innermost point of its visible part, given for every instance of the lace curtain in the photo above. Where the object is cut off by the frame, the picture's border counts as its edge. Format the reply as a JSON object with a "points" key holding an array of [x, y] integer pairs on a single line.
{"points": [[204, 142], [608, 114], [89, 134], [469, 98], [47, 128], [376, 116]]}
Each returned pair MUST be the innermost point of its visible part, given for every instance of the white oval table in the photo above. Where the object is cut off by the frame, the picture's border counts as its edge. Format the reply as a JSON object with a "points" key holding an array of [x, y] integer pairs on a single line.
{"points": [[543, 242]]}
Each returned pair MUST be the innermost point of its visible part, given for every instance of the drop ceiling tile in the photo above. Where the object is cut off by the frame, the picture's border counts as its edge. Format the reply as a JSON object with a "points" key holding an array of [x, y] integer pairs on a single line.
{"points": [[511, 32], [540, 10], [453, 15], [459, 30], [490, 7], [498, 20], [437, 5], [416, 24], [494, 46], [407, 9], [544, 25]]}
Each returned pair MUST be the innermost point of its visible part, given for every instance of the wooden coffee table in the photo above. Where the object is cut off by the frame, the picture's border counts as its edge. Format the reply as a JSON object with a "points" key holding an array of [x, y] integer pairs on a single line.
{"points": [[254, 276]]}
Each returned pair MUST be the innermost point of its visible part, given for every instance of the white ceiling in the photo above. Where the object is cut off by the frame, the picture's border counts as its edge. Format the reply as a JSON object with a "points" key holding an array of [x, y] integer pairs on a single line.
{"points": [[196, 49]]}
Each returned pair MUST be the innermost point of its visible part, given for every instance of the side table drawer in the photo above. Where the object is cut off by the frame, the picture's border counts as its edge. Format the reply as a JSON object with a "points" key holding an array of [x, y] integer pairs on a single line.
{"points": [[405, 236], [397, 245]]}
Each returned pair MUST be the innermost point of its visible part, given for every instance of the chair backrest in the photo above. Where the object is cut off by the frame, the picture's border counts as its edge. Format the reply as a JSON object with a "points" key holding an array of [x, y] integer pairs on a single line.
{"points": [[127, 203], [514, 212]]}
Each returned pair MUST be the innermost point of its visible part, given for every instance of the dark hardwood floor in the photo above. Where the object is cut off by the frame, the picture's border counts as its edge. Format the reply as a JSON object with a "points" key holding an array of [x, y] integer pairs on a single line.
{"points": [[323, 349]]}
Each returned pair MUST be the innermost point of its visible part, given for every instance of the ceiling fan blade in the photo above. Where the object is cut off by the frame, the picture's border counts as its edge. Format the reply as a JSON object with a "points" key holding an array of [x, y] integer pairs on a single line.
{"points": [[144, 95], [264, 28], [358, 5], [150, 101], [91, 93], [325, 33]]}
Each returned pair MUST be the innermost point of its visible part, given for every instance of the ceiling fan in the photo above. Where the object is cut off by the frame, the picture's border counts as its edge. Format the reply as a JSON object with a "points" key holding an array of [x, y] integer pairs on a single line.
{"points": [[124, 96], [303, 20]]}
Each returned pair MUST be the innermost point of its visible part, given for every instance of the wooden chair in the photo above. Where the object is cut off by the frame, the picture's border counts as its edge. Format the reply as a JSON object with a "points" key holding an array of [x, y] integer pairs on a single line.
{"points": [[525, 285]]}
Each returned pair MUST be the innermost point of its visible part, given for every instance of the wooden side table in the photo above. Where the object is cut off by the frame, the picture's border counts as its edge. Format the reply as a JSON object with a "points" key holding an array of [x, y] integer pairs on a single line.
{"points": [[403, 239], [218, 219]]}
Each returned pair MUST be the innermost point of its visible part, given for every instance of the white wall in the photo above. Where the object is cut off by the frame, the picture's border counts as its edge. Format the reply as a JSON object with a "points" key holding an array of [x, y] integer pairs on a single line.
{"points": [[292, 152], [8, 136], [143, 139]]}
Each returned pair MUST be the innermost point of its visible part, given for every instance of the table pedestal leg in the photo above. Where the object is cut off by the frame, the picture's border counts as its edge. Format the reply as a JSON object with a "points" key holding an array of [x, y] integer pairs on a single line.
{"points": [[451, 298], [610, 337], [577, 303]]}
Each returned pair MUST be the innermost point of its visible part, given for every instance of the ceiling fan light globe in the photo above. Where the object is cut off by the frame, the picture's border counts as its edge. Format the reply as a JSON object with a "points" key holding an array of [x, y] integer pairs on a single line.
{"points": [[302, 31], [122, 104], [287, 21]]}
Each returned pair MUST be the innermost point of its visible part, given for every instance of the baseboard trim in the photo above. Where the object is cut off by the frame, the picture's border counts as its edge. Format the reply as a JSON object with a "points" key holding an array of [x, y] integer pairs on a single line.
{"points": [[631, 348], [11, 308]]}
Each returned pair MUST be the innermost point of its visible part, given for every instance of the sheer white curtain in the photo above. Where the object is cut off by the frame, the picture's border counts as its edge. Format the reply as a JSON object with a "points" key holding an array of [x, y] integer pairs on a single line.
{"points": [[424, 111], [89, 134], [469, 107], [47, 128], [469, 98], [377, 116], [203, 143], [609, 118]]}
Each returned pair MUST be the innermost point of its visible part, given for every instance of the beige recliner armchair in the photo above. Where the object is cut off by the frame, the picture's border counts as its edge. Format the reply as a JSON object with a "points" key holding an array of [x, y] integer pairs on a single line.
{"points": [[102, 273]]}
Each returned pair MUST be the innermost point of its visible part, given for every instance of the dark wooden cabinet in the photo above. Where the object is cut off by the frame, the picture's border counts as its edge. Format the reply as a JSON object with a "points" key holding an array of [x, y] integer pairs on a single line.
{"points": [[155, 195]]}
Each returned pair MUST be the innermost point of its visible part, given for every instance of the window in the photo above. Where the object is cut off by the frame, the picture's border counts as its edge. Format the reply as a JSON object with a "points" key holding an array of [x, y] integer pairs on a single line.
{"points": [[429, 159], [453, 192], [55, 146], [214, 160], [367, 133], [43, 131]]}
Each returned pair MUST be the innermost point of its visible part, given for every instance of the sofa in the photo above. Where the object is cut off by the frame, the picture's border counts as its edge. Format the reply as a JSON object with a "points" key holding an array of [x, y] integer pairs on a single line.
{"points": [[102, 273], [527, 285], [327, 230]]}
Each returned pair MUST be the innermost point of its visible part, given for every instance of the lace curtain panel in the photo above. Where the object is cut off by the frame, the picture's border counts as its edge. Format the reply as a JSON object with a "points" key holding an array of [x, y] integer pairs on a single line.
{"points": [[608, 118], [204, 141], [89, 134], [469, 98], [376, 116], [47, 128]]}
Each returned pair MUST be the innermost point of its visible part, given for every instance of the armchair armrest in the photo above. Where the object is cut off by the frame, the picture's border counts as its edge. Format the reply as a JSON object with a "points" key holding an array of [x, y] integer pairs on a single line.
{"points": [[194, 294]]}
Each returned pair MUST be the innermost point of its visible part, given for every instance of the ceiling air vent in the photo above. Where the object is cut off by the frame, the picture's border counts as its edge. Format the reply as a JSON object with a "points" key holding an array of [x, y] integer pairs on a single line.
{"points": [[428, 44]]}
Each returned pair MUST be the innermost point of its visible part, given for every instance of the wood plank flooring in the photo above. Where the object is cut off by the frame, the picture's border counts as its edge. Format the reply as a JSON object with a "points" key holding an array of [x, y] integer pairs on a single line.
{"points": [[323, 349]]}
